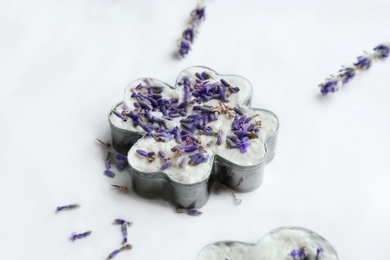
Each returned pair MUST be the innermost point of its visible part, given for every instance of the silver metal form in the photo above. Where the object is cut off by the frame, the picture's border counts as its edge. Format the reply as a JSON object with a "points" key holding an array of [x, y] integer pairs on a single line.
{"points": [[158, 185]]}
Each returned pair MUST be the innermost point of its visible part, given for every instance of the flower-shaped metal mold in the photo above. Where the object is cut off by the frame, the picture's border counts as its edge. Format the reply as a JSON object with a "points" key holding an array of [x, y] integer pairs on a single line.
{"points": [[284, 243], [179, 140]]}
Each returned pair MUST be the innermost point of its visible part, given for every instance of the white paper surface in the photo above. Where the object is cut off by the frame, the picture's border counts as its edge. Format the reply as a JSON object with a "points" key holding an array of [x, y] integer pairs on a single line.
{"points": [[64, 64]]}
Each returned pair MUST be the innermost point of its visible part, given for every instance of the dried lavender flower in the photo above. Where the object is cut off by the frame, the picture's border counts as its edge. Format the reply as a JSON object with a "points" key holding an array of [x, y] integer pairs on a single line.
{"points": [[335, 82], [109, 173], [69, 206], [75, 236], [117, 251]]}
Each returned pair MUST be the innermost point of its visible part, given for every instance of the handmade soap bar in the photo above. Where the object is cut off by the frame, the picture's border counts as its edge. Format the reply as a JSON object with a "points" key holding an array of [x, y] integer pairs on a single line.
{"points": [[200, 126]]}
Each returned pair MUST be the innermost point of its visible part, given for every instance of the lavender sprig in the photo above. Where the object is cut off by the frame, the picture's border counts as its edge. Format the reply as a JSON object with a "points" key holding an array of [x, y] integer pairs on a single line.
{"points": [[198, 15], [335, 82]]}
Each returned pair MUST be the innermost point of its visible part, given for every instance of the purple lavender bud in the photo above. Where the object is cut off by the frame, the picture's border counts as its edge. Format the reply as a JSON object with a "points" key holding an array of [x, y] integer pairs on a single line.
{"points": [[189, 149], [109, 173], [142, 152], [188, 34], [234, 89], [194, 212], [175, 115], [206, 75], [75, 236], [381, 51], [193, 159], [186, 92], [166, 165], [331, 85], [163, 110], [210, 143], [243, 146], [346, 74], [198, 14], [205, 97], [297, 253], [238, 111], [186, 126], [151, 154], [184, 47], [198, 108], [199, 160], [108, 164], [363, 63], [161, 154], [250, 127], [121, 158], [225, 83], [119, 115], [199, 76], [120, 167], [219, 137], [124, 231], [182, 162], [121, 221], [146, 128], [70, 206], [145, 105], [320, 251], [211, 117]]}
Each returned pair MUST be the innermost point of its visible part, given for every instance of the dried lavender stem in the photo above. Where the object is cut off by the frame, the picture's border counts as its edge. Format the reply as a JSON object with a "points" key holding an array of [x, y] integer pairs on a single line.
{"points": [[335, 82]]}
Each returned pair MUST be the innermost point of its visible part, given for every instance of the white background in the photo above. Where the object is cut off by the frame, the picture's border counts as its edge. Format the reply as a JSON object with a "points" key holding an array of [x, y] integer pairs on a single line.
{"points": [[64, 64]]}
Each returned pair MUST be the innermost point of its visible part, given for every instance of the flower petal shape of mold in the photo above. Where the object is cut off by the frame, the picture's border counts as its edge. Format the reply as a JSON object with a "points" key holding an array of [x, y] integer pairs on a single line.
{"points": [[179, 140]]}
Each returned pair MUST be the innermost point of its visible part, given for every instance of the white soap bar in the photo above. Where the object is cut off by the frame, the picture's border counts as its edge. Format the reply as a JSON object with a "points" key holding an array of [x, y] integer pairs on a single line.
{"points": [[185, 173]]}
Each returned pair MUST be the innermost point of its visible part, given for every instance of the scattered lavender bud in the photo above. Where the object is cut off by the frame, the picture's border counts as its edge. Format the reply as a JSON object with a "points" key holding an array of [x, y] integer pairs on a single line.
{"points": [[210, 143], [142, 152], [219, 137], [121, 221], [108, 164], [75, 236], [120, 166], [109, 173], [166, 165], [107, 156], [182, 162], [117, 251], [124, 118], [70, 206], [238, 111], [121, 158], [194, 212], [124, 231]]}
